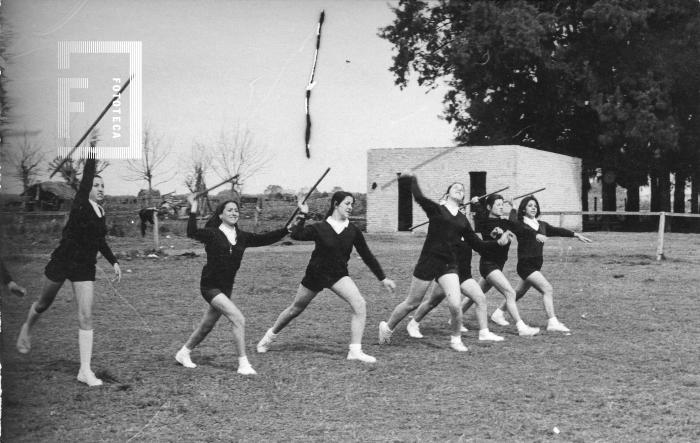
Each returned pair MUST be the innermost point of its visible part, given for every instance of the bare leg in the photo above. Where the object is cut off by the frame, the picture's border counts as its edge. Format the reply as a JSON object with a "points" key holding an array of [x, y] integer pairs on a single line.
{"points": [[229, 310], [416, 292], [346, 289], [48, 295], [502, 285], [301, 301], [429, 303], [450, 284], [471, 289], [539, 282], [206, 324]]}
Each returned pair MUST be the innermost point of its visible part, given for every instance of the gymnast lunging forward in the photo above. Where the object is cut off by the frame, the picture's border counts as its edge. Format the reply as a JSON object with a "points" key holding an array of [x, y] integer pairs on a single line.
{"points": [[447, 228], [490, 223], [328, 268], [532, 234], [225, 244], [74, 259]]}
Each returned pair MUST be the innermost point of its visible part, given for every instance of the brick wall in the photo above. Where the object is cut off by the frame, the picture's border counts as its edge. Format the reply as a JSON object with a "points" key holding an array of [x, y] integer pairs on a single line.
{"points": [[523, 169]]}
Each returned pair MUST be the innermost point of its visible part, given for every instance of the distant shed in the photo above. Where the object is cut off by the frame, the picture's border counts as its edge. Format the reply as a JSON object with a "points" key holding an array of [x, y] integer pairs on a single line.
{"points": [[481, 169]]}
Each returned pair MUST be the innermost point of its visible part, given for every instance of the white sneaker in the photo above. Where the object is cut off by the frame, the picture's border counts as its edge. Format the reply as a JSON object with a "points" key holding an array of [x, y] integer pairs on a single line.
{"points": [[183, 357], [361, 356], [384, 333], [89, 378], [413, 328], [246, 370], [487, 335], [527, 331], [266, 341], [556, 326], [458, 346], [499, 318], [24, 343], [461, 329]]}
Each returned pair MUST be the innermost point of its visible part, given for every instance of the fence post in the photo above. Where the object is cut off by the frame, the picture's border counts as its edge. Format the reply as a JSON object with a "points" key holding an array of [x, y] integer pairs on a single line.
{"points": [[561, 219], [660, 246], [156, 234]]}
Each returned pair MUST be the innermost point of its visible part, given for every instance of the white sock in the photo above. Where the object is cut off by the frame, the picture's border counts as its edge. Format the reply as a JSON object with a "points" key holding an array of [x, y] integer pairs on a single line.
{"points": [[455, 338], [185, 349], [355, 348], [243, 361], [484, 331], [520, 324], [270, 333], [85, 344]]}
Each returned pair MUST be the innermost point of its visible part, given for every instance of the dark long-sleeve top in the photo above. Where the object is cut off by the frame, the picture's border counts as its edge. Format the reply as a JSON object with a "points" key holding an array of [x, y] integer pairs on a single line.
{"points": [[528, 246], [223, 258], [84, 234], [5, 276], [485, 224], [332, 251], [447, 231]]}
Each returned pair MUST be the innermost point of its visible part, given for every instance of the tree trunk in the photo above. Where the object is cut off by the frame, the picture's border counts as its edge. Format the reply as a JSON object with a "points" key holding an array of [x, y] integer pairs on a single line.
{"points": [[679, 193], [150, 191], [655, 202], [585, 187], [632, 203], [609, 197], [695, 190], [665, 191]]}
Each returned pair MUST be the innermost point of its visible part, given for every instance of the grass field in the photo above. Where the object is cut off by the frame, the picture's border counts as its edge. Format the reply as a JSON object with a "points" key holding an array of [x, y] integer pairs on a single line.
{"points": [[630, 370]]}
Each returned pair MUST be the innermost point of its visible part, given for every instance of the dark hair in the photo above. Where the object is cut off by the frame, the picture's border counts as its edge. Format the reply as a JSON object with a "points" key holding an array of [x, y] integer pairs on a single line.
{"points": [[97, 176], [523, 205], [337, 198], [491, 199], [449, 188], [214, 221]]}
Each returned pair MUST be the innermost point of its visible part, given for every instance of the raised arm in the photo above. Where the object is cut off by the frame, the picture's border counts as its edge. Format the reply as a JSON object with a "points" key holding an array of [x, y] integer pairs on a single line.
{"points": [[85, 186], [202, 235], [430, 207], [367, 256]]}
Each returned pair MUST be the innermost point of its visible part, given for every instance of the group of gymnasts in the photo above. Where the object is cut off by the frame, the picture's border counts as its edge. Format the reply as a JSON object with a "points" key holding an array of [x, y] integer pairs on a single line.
{"points": [[444, 259]]}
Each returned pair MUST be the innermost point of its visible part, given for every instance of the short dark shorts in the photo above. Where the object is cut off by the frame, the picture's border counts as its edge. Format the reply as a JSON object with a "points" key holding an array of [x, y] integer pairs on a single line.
{"points": [[527, 266], [486, 267], [464, 272], [434, 268], [318, 282], [59, 270], [210, 293]]}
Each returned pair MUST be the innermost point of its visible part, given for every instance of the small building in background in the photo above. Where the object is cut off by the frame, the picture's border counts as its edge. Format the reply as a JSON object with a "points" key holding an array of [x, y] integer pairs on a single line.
{"points": [[482, 169], [48, 196]]}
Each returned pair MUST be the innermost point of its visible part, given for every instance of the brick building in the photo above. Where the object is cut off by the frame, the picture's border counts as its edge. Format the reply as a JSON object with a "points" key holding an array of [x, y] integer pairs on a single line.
{"points": [[482, 169]]}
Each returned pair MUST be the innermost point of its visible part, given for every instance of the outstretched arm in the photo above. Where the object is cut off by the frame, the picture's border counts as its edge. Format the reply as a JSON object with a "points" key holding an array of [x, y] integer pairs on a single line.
{"points": [[367, 256]]}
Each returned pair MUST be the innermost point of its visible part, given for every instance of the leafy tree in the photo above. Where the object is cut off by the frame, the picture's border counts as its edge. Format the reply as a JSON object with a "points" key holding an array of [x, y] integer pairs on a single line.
{"points": [[585, 78]]}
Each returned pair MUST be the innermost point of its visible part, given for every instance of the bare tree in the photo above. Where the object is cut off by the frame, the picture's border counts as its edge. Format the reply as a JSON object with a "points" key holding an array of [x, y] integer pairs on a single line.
{"points": [[26, 162], [72, 170], [197, 168], [237, 153], [152, 158]]}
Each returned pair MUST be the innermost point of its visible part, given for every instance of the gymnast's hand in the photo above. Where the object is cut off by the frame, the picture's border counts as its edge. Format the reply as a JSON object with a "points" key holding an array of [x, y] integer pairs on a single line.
{"points": [[541, 238], [117, 273], [582, 238], [16, 289], [389, 284]]}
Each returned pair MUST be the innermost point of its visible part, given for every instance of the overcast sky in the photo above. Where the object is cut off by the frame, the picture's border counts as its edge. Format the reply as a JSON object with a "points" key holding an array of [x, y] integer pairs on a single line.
{"points": [[209, 65]]}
